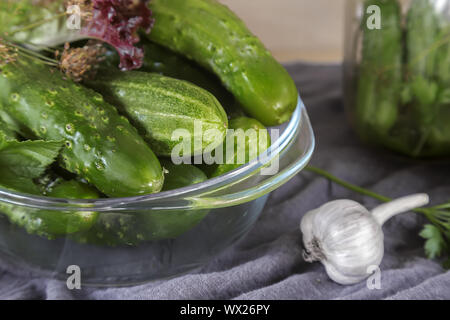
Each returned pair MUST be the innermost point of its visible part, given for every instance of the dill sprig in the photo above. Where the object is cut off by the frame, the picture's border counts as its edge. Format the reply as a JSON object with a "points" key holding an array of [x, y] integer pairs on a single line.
{"points": [[76, 64], [436, 233]]}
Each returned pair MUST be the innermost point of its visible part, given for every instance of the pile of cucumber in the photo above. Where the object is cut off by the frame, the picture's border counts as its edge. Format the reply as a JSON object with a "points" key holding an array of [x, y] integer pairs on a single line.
{"points": [[112, 136], [401, 96]]}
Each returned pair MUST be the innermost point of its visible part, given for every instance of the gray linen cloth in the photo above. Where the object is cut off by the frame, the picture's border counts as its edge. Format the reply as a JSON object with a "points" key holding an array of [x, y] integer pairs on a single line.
{"points": [[268, 264]]}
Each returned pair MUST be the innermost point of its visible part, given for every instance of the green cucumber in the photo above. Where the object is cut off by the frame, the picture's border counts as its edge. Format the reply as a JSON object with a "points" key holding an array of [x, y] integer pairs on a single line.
{"points": [[439, 139], [245, 134], [161, 60], [67, 190], [422, 25], [422, 43], [443, 60], [212, 35], [54, 224], [179, 176], [159, 105], [380, 72], [131, 229], [166, 62], [134, 228], [424, 46], [100, 146]]}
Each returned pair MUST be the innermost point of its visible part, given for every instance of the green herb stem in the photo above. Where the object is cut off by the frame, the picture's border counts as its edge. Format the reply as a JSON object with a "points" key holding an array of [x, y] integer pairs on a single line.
{"points": [[435, 215], [348, 185]]}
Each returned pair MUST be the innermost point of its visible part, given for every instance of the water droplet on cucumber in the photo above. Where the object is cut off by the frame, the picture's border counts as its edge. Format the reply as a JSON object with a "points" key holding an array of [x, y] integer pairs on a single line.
{"points": [[15, 97], [70, 128]]}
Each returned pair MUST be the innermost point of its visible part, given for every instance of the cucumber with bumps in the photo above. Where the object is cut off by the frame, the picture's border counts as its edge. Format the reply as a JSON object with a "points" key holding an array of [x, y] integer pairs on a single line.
{"points": [[159, 105], [100, 146], [212, 35], [166, 62], [161, 60], [179, 176], [249, 139], [131, 229], [424, 47], [380, 73], [54, 224], [422, 39]]}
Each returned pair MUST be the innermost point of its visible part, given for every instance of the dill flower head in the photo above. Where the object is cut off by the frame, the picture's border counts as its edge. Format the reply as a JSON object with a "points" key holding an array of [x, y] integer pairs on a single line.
{"points": [[8, 54], [81, 63]]}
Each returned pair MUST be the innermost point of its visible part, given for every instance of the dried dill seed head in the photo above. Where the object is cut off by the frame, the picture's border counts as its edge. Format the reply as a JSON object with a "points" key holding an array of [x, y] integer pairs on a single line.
{"points": [[81, 63], [86, 7], [7, 53]]}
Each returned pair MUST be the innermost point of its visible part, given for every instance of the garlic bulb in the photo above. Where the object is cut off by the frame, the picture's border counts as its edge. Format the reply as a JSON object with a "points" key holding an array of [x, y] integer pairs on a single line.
{"points": [[348, 239]]}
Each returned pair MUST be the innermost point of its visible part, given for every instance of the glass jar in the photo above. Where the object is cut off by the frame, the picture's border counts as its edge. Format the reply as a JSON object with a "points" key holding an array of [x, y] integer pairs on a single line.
{"points": [[397, 74]]}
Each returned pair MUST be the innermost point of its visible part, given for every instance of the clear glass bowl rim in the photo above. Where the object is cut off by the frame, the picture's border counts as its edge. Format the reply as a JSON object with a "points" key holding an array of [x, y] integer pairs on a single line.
{"points": [[146, 201]]}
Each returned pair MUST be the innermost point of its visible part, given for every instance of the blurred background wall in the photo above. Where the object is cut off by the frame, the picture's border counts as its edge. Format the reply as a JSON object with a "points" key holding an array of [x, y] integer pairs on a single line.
{"points": [[310, 30]]}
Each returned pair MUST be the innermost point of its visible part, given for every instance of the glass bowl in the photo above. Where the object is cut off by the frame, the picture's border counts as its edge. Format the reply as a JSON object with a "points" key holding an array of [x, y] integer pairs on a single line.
{"points": [[156, 236]]}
